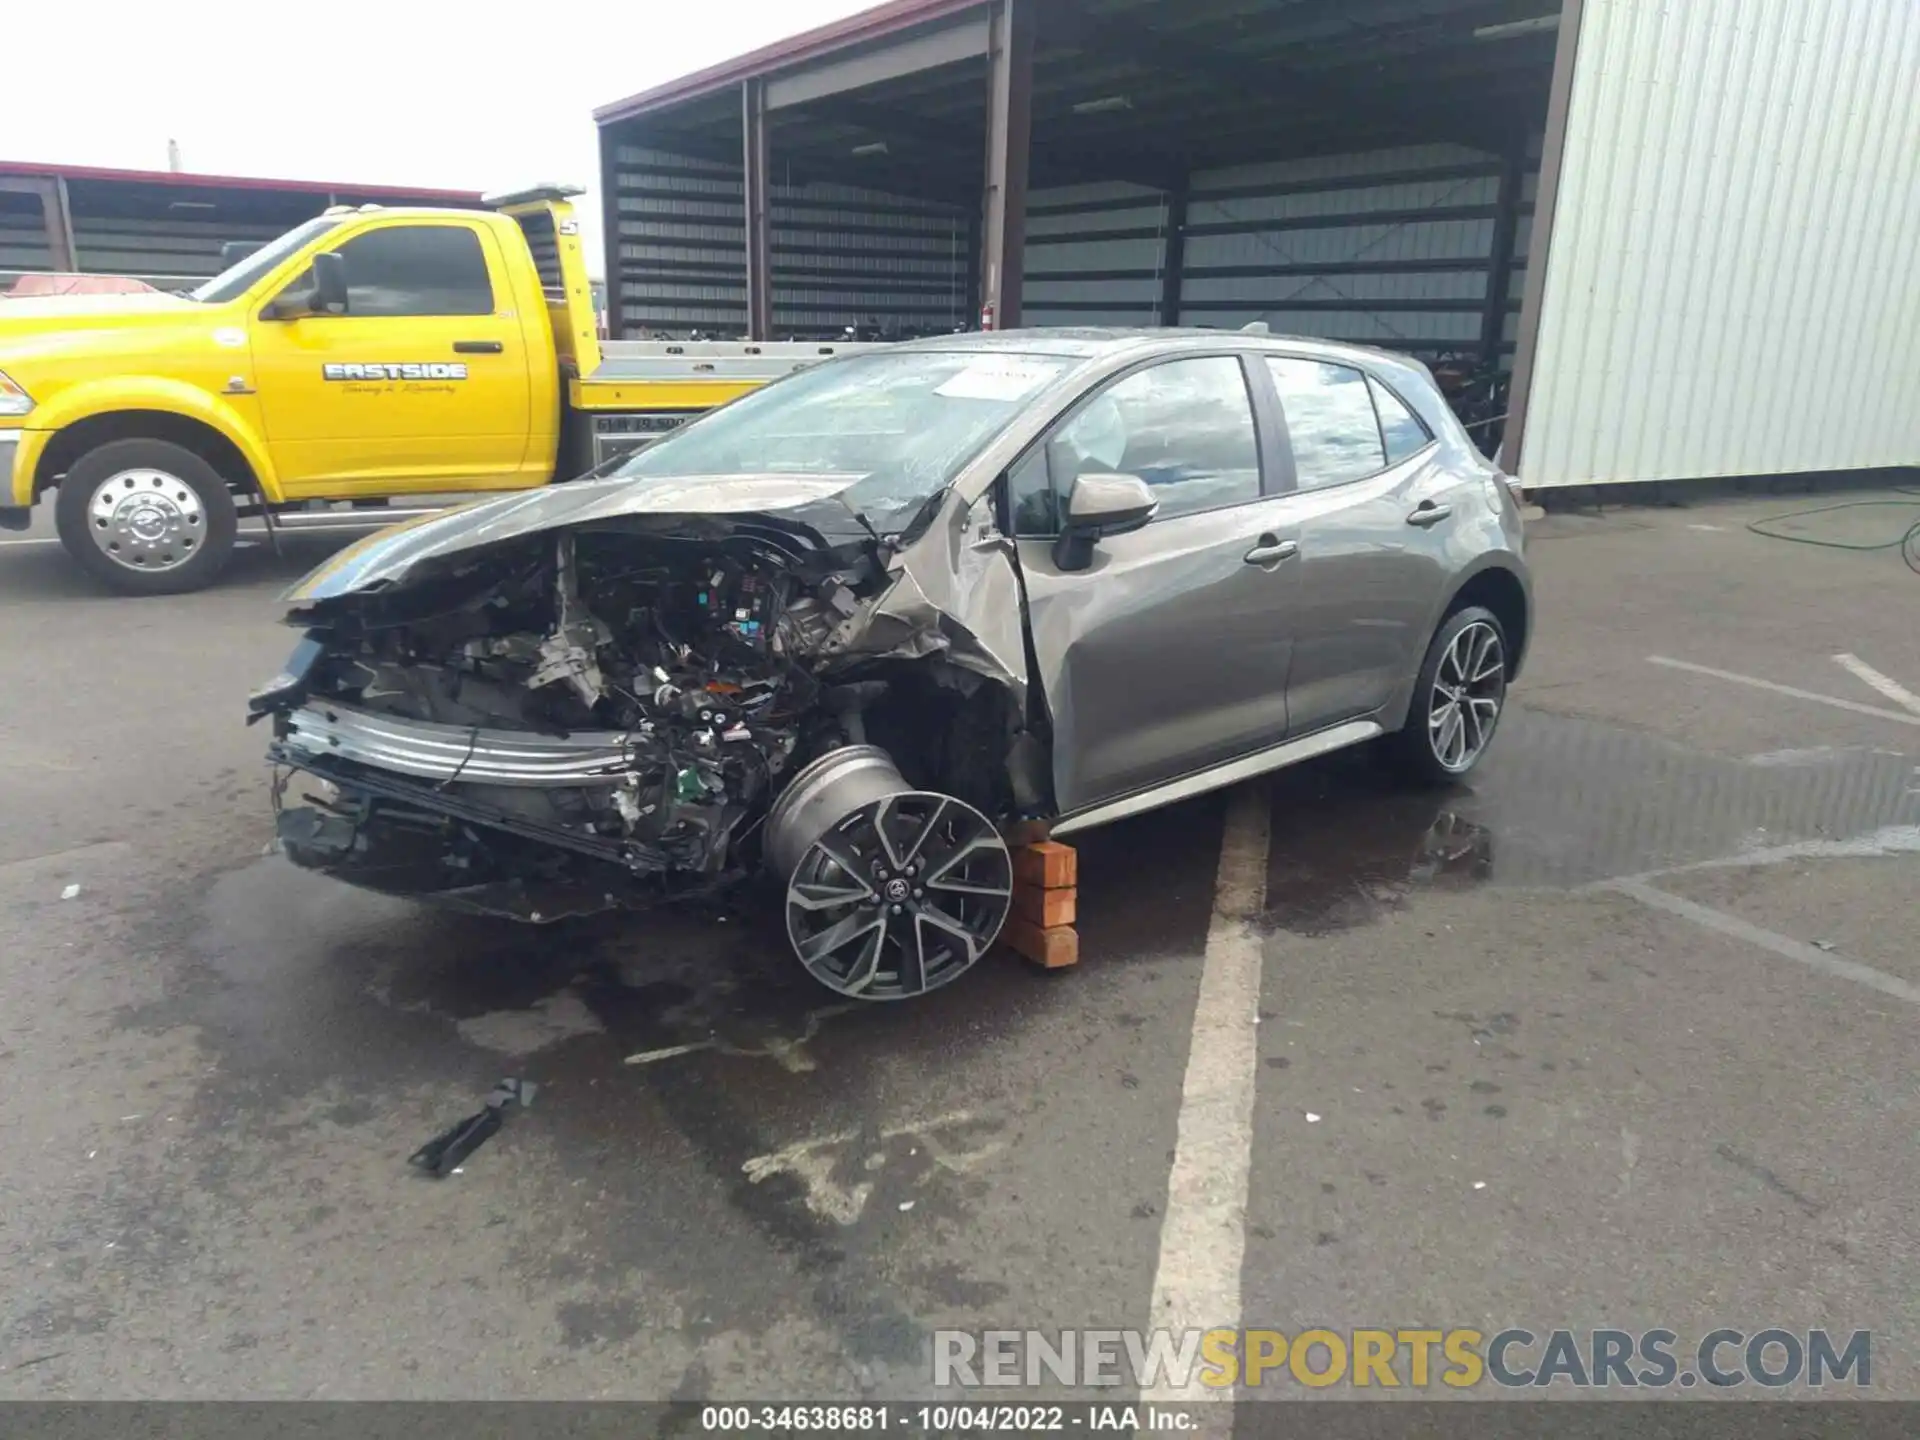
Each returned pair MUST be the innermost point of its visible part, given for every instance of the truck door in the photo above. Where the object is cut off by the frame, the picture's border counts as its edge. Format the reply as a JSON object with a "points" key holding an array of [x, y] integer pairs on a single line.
{"points": [[423, 384]]}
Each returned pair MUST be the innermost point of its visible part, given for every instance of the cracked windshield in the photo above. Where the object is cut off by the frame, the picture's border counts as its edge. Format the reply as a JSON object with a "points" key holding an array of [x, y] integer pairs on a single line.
{"points": [[899, 425]]}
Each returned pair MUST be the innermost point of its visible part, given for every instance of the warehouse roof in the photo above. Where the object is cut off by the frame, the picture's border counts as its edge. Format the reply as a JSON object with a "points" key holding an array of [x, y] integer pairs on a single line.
{"points": [[875, 24], [30, 170], [1122, 89]]}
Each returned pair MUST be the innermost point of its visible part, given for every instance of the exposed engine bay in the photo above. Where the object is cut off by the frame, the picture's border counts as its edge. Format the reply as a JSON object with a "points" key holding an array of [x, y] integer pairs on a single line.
{"points": [[583, 719]]}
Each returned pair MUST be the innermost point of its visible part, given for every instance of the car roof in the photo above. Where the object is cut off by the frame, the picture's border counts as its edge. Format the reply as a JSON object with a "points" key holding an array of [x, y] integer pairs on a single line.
{"points": [[1088, 342], [1089, 346]]}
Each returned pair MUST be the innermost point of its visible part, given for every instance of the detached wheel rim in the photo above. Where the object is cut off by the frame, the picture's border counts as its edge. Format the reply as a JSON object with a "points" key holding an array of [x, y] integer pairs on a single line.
{"points": [[902, 896], [146, 520], [1469, 687]]}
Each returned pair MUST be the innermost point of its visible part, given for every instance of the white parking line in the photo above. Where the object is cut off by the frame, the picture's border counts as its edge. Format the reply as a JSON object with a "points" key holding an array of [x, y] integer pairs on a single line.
{"points": [[1892, 689], [1203, 1238], [1833, 700], [1782, 945], [47, 541]]}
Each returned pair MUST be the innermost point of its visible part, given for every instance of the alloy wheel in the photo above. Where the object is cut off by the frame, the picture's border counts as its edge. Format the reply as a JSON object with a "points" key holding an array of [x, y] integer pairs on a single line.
{"points": [[900, 897], [1469, 687]]}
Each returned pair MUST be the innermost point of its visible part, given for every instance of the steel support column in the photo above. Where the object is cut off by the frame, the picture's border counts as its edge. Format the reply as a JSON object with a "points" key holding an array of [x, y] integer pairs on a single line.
{"points": [[755, 172], [973, 270], [610, 226], [1003, 235], [1506, 229], [1173, 256], [66, 254], [1540, 240]]}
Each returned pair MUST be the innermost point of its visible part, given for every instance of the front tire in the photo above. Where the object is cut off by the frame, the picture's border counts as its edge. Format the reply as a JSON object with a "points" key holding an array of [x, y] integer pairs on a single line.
{"points": [[1458, 699], [147, 517]]}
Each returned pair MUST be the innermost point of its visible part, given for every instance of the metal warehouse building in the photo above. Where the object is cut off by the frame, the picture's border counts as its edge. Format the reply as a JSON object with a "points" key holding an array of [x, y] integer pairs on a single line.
{"points": [[1687, 226], [161, 227]]}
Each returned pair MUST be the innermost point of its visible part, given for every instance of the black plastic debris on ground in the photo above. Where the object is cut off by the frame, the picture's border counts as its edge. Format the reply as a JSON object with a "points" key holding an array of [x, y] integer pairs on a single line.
{"points": [[447, 1149]]}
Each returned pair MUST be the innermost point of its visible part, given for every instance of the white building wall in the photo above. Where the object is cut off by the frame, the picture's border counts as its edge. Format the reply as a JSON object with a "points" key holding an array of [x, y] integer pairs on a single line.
{"points": [[1730, 285]]}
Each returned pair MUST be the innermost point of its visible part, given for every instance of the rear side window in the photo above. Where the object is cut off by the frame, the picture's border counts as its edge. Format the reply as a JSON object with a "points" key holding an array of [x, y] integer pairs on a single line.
{"points": [[1330, 421], [417, 270], [1405, 433]]}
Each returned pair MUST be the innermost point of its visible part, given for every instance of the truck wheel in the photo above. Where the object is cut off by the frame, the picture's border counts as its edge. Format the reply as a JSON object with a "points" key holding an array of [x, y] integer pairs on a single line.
{"points": [[147, 517]]}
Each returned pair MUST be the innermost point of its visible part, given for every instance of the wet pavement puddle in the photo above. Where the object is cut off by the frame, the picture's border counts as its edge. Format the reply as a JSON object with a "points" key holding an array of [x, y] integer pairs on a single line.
{"points": [[1561, 803], [1565, 803]]}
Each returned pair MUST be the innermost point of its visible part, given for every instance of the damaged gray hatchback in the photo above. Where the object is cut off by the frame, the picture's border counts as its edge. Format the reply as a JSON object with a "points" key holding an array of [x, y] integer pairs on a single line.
{"points": [[853, 628]]}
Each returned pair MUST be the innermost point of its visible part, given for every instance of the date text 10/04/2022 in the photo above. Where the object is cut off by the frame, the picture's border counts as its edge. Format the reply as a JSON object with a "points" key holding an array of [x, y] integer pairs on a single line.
{"points": [[946, 1419]]}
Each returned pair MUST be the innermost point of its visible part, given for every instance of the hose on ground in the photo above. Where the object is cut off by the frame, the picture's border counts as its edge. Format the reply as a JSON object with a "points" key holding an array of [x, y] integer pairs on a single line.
{"points": [[1905, 538]]}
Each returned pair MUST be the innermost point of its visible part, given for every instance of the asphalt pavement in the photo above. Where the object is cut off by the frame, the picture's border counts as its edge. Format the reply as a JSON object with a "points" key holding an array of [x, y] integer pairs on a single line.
{"points": [[1623, 1034]]}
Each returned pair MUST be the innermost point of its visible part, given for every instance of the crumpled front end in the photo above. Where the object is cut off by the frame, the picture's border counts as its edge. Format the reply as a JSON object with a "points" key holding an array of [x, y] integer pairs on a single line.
{"points": [[577, 718]]}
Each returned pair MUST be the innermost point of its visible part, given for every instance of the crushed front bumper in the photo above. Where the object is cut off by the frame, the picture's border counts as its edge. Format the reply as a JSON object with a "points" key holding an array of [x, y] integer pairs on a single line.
{"points": [[425, 777], [449, 753]]}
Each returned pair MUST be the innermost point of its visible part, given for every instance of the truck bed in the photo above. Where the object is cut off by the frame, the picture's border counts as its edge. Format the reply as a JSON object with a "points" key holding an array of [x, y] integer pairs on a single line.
{"points": [[685, 377], [633, 361], [643, 389]]}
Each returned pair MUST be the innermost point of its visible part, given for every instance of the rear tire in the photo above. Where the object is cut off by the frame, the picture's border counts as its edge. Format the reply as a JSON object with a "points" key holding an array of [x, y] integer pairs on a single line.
{"points": [[147, 517], [1458, 700]]}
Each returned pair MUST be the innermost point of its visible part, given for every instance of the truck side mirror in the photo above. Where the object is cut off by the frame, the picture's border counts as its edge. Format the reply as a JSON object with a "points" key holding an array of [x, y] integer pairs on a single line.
{"points": [[329, 294], [326, 292]]}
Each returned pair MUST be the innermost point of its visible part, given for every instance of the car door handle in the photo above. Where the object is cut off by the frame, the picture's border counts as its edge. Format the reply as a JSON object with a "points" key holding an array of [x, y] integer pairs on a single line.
{"points": [[1271, 551], [477, 347], [1428, 513]]}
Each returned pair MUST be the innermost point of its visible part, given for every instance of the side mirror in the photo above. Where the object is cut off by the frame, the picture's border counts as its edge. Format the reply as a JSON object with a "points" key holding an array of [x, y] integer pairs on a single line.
{"points": [[329, 296], [1097, 506], [326, 293]]}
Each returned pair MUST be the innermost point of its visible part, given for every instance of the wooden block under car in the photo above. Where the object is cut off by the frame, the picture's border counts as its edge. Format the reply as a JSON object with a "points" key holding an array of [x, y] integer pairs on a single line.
{"points": [[1027, 832], [1046, 908], [1054, 948], [1047, 864]]}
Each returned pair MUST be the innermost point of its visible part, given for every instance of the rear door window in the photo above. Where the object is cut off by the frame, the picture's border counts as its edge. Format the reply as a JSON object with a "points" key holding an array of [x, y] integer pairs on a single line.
{"points": [[1330, 421], [1405, 432]]}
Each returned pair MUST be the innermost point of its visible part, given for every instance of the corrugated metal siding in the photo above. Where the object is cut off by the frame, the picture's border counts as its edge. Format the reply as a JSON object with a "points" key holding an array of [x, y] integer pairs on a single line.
{"points": [[1094, 255], [23, 236], [1387, 247], [681, 235], [165, 246], [1729, 289], [1390, 247], [845, 255], [842, 255]]}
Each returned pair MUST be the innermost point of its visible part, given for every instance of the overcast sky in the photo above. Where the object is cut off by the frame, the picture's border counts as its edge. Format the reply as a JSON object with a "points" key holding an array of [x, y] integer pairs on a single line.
{"points": [[465, 97]]}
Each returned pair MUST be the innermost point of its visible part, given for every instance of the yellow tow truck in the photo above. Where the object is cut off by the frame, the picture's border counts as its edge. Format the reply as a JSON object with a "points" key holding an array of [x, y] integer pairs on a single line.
{"points": [[367, 356]]}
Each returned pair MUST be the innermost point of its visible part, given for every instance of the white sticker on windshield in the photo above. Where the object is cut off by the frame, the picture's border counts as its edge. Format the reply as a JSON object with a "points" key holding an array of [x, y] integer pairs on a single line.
{"points": [[997, 378]]}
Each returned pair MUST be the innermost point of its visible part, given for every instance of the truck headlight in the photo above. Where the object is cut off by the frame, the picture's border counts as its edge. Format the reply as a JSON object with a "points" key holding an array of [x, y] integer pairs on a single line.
{"points": [[13, 400]]}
